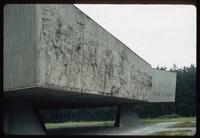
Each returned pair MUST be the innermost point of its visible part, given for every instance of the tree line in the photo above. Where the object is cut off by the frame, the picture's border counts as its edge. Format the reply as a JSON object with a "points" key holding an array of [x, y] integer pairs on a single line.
{"points": [[184, 105]]}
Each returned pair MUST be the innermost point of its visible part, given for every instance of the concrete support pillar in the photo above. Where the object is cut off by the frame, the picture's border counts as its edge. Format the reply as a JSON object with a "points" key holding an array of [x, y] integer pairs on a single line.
{"points": [[21, 119], [127, 117]]}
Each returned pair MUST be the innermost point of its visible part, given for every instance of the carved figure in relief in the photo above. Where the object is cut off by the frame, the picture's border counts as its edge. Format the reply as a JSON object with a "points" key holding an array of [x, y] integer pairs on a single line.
{"points": [[93, 50], [101, 70], [108, 72]]}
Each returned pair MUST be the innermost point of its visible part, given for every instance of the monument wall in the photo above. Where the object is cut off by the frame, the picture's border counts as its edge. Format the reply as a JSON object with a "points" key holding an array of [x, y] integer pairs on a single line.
{"points": [[58, 47], [78, 54], [20, 46]]}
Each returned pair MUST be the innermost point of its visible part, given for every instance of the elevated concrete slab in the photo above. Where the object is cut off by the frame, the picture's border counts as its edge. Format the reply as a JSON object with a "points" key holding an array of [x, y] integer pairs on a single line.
{"points": [[44, 98], [58, 47]]}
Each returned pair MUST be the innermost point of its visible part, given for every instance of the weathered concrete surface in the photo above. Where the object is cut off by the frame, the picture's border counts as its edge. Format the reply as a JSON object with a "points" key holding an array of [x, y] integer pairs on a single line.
{"points": [[73, 53], [21, 119], [56, 56], [127, 117], [20, 46], [163, 86], [78, 54], [60, 48]]}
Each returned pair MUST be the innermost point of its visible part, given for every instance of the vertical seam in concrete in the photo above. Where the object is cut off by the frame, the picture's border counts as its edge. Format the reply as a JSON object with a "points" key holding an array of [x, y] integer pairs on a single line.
{"points": [[37, 17]]}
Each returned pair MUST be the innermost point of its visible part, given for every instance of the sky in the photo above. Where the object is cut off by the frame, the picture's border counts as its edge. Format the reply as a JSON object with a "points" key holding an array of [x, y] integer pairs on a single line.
{"points": [[162, 35]]}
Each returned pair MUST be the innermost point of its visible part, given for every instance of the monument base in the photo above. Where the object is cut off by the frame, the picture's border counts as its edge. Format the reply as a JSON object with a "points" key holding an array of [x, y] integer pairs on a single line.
{"points": [[20, 118], [127, 117]]}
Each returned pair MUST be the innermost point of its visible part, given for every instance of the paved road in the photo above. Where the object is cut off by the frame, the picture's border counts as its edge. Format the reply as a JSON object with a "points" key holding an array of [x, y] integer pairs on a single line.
{"points": [[141, 130]]}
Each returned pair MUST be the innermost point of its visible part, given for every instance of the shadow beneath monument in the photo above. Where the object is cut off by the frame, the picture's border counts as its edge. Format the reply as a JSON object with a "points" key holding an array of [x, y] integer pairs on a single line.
{"points": [[126, 121], [21, 118]]}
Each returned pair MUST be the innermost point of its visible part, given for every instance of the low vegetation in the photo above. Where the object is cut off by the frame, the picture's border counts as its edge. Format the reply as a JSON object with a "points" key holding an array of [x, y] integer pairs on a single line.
{"points": [[79, 124], [174, 133], [168, 118], [184, 124]]}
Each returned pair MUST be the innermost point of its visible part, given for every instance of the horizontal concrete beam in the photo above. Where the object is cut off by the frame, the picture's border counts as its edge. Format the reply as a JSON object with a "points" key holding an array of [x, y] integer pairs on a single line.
{"points": [[58, 47]]}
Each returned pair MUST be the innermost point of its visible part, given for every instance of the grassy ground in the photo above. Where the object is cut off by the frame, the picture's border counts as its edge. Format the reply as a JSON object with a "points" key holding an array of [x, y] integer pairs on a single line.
{"points": [[174, 133], [79, 124], [183, 123], [162, 120]]}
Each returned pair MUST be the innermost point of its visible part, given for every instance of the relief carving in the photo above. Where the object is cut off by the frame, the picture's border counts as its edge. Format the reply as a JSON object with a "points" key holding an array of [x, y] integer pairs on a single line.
{"points": [[81, 62]]}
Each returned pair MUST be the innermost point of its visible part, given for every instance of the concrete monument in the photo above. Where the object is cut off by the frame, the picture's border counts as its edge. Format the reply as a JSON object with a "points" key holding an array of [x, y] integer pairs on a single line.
{"points": [[56, 56]]}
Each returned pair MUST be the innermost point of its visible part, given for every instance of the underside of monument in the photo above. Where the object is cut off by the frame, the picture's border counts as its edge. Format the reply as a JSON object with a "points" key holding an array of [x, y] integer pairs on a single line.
{"points": [[55, 56]]}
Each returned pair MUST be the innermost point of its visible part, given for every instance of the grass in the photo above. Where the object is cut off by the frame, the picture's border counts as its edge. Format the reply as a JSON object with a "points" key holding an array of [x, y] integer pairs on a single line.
{"points": [[79, 124], [162, 120], [170, 116], [184, 124], [174, 133]]}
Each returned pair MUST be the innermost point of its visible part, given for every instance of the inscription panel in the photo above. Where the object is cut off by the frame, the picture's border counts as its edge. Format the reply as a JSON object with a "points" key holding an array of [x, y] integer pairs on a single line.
{"points": [[163, 86]]}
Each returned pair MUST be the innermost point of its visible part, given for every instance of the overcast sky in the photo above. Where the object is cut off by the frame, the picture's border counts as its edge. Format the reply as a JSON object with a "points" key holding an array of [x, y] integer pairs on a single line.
{"points": [[160, 34]]}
